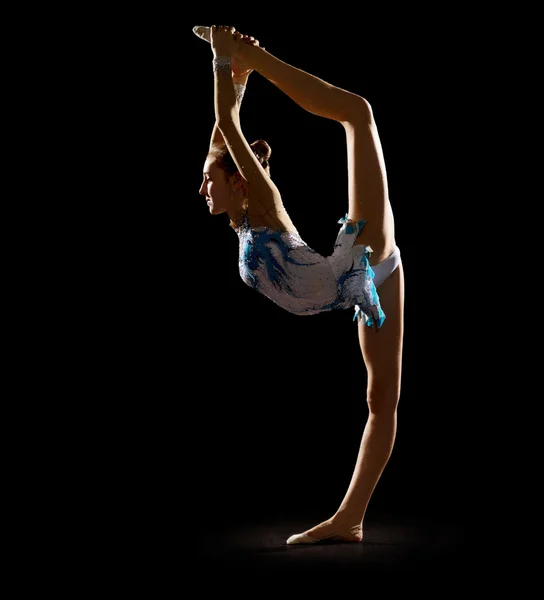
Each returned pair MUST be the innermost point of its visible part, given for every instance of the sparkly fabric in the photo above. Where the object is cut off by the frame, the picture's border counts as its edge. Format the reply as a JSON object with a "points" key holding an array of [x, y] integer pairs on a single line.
{"points": [[239, 90], [222, 63], [284, 268]]}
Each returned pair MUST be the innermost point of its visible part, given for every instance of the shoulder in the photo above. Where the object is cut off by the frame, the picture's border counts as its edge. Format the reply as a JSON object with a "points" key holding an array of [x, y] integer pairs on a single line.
{"points": [[275, 218]]}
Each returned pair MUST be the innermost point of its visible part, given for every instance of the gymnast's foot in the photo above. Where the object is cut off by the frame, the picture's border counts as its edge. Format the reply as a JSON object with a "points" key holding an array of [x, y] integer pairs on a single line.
{"points": [[327, 532], [239, 68], [202, 32]]}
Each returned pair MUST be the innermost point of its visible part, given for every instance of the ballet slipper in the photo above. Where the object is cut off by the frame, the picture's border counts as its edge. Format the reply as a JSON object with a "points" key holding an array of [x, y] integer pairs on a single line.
{"points": [[302, 538], [202, 32]]}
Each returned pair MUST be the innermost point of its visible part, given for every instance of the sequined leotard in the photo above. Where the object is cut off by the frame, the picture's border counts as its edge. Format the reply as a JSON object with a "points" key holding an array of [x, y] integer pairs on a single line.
{"points": [[284, 268]]}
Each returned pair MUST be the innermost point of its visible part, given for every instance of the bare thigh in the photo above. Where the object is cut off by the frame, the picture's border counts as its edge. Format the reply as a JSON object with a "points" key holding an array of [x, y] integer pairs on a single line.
{"points": [[382, 349], [367, 185]]}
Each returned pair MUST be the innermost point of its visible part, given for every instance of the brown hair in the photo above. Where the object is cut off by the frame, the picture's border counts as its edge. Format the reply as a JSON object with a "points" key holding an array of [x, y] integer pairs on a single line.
{"points": [[223, 159]]}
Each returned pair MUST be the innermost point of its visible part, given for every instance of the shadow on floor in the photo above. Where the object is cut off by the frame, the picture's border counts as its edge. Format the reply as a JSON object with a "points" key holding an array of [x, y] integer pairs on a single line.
{"points": [[410, 547]]}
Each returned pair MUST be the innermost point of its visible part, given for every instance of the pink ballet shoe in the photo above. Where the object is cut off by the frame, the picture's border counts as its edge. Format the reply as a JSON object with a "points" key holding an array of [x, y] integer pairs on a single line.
{"points": [[202, 32]]}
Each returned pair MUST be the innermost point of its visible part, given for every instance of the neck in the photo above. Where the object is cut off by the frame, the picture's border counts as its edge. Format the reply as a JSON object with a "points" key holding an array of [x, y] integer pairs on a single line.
{"points": [[237, 215]]}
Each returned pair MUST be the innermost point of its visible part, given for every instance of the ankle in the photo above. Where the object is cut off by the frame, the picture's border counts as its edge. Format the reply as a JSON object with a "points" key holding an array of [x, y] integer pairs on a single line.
{"points": [[245, 53], [345, 520]]}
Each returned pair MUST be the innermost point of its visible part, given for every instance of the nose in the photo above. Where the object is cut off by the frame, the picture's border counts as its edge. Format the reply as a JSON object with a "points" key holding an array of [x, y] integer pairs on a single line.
{"points": [[202, 191]]}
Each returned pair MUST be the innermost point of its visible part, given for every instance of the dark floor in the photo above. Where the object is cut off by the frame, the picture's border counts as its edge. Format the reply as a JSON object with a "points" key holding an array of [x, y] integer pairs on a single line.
{"points": [[407, 547]]}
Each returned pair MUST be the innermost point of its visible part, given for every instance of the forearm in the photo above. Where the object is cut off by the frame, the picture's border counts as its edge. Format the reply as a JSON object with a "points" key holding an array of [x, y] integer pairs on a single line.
{"points": [[239, 83], [226, 108]]}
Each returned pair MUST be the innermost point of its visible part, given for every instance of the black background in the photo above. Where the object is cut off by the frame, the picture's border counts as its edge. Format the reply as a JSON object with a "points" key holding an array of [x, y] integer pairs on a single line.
{"points": [[230, 410], [279, 404]]}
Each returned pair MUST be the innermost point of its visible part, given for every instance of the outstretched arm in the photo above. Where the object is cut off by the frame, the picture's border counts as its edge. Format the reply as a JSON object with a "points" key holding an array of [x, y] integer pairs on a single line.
{"points": [[240, 76], [265, 196]]}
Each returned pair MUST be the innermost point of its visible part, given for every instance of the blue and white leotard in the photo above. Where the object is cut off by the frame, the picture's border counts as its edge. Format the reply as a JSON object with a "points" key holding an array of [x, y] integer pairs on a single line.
{"points": [[281, 266]]}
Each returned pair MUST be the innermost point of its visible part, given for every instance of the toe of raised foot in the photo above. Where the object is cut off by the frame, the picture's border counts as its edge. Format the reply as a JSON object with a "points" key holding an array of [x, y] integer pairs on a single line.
{"points": [[202, 32]]}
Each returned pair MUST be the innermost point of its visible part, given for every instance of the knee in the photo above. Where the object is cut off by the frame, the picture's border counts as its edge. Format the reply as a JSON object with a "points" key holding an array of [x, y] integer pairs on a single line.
{"points": [[383, 398], [358, 111]]}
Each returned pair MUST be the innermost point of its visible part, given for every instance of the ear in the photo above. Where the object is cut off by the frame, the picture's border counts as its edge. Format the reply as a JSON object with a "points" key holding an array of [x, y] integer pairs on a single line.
{"points": [[239, 183], [236, 180]]}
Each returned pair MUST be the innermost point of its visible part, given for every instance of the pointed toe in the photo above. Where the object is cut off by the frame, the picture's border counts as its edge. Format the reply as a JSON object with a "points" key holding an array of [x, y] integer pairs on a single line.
{"points": [[301, 538], [202, 32]]}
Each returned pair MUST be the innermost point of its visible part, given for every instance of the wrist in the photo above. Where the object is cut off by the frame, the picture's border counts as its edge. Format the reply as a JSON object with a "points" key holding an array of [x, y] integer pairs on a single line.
{"points": [[240, 79], [239, 91], [222, 63]]}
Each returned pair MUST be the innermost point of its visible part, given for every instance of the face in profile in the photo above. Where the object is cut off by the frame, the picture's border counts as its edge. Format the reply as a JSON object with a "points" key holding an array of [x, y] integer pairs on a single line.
{"points": [[215, 187]]}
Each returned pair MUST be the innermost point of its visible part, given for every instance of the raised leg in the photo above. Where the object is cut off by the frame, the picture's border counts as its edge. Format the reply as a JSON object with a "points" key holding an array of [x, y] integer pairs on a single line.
{"points": [[367, 178]]}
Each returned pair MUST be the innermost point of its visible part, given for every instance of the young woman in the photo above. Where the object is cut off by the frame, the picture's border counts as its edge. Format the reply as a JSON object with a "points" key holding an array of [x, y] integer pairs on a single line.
{"points": [[364, 272]]}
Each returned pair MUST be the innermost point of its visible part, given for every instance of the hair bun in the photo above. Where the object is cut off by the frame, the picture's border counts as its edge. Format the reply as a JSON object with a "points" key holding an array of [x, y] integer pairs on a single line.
{"points": [[262, 150]]}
